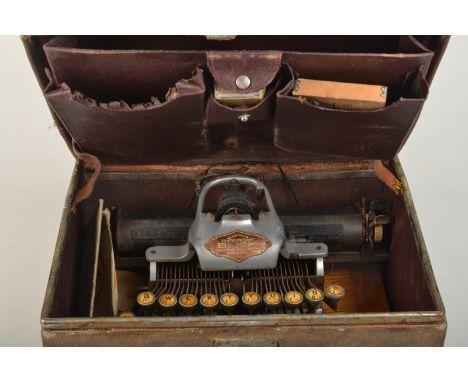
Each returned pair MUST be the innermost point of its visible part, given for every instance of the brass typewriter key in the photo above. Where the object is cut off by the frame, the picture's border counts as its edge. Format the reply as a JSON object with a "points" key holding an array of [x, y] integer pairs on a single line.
{"points": [[145, 301], [167, 301], [229, 301], [188, 302], [293, 299], [251, 300], [126, 314], [272, 300], [314, 297], [333, 295], [209, 301]]}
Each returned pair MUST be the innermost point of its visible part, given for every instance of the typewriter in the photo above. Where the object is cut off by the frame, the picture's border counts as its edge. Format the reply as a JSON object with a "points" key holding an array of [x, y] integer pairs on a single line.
{"points": [[245, 256]]}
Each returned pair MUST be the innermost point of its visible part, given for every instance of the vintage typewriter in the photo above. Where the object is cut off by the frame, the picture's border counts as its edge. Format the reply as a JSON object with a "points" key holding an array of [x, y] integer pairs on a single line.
{"points": [[245, 256]]}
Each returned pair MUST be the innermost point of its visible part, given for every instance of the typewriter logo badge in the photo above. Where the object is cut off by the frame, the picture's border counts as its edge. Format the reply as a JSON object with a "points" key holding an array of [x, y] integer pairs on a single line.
{"points": [[238, 245]]}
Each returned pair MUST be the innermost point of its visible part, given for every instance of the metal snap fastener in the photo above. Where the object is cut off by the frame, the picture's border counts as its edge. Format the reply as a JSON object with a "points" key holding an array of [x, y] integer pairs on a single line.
{"points": [[243, 82], [244, 117]]}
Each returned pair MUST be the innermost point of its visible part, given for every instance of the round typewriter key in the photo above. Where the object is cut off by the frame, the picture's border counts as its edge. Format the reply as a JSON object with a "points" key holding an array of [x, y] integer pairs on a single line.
{"points": [[209, 301], [188, 301], [167, 301], [145, 299], [126, 314], [272, 300], [314, 296], [333, 294], [293, 299], [251, 300], [229, 301], [145, 302]]}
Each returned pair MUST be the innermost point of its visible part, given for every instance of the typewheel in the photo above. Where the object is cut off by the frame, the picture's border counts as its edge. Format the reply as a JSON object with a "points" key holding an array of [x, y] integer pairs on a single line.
{"points": [[235, 200]]}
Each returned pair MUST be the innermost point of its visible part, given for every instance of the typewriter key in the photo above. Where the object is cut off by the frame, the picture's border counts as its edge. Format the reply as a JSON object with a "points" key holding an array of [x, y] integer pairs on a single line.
{"points": [[145, 302], [209, 301], [251, 300], [188, 301], [314, 296], [333, 295], [293, 299], [272, 300], [126, 314], [229, 301], [167, 301]]}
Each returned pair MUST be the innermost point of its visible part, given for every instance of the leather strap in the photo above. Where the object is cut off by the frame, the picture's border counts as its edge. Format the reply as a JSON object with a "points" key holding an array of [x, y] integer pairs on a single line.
{"points": [[386, 176], [91, 163]]}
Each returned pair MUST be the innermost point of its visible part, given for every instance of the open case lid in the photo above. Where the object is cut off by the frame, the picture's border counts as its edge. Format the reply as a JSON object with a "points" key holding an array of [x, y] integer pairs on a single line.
{"points": [[145, 100]]}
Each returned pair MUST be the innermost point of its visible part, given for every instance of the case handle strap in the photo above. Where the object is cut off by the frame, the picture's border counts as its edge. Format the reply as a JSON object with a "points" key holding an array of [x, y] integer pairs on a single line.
{"points": [[92, 163]]}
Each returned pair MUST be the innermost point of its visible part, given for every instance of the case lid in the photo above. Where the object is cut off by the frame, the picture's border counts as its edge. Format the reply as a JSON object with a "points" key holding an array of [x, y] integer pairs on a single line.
{"points": [[136, 100]]}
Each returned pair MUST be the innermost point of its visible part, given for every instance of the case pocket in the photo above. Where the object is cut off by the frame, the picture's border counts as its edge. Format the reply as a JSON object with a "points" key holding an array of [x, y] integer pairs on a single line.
{"points": [[168, 130], [303, 126], [234, 126]]}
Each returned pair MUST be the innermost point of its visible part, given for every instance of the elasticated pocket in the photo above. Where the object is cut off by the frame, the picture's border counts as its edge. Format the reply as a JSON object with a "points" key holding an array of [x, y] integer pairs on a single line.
{"points": [[167, 130], [302, 126]]}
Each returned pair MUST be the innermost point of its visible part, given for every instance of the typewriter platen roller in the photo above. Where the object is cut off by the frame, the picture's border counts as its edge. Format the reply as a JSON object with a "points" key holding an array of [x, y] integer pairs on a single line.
{"points": [[244, 256]]}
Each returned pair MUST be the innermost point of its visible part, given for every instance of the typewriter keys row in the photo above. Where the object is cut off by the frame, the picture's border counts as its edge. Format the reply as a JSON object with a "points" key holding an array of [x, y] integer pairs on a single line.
{"points": [[251, 302]]}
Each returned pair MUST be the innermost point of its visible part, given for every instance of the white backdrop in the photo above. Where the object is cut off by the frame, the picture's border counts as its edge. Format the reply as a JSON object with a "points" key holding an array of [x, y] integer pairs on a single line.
{"points": [[35, 169]]}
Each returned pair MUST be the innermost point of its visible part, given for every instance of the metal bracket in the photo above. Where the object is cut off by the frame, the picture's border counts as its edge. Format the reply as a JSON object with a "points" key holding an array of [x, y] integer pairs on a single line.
{"points": [[294, 250], [167, 254]]}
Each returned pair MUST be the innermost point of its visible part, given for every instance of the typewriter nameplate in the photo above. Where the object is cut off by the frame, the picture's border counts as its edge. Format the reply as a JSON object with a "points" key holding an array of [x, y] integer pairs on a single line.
{"points": [[238, 245]]}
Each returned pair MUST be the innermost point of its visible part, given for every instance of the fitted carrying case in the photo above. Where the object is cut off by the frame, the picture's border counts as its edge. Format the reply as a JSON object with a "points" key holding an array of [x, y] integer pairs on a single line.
{"points": [[140, 116]]}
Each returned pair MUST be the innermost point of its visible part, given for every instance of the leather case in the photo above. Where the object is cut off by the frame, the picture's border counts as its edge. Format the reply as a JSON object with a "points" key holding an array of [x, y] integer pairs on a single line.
{"points": [[139, 114]]}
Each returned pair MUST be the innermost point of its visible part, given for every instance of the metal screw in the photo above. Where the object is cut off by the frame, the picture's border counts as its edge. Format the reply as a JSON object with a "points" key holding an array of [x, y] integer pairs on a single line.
{"points": [[244, 117]]}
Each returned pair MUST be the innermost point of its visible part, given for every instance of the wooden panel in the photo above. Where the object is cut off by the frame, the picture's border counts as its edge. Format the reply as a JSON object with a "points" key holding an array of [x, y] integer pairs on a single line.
{"points": [[301, 335], [363, 283]]}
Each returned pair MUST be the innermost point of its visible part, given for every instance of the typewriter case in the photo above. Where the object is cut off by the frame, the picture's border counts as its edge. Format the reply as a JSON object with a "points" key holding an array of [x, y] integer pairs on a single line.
{"points": [[139, 115]]}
